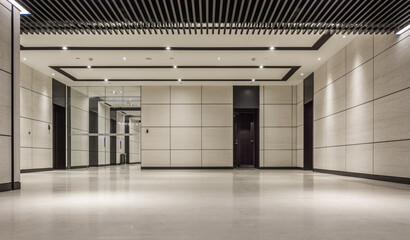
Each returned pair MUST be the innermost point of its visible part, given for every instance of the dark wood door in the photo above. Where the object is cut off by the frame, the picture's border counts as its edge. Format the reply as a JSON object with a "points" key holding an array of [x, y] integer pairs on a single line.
{"points": [[244, 139], [59, 137]]}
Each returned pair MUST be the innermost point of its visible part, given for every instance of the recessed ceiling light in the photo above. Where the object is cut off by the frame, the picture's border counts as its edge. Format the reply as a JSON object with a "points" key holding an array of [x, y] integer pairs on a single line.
{"points": [[261, 66], [88, 66], [344, 36], [319, 59], [23, 11], [64, 48], [302, 74], [219, 58], [179, 80], [24, 59], [253, 80], [124, 58], [272, 48], [113, 91], [175, 66], [168, 48], [106, 80], [120, 91], [401, 31], [53, 74]]}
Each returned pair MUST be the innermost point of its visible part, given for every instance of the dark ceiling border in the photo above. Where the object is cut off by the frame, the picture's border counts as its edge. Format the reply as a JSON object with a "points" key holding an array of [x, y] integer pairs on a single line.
{"points": [[316, 46], [59, 69]]}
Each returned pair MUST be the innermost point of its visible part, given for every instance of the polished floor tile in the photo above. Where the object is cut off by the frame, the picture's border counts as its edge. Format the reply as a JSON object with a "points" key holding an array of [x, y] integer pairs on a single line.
{"points": [[123, 202]]}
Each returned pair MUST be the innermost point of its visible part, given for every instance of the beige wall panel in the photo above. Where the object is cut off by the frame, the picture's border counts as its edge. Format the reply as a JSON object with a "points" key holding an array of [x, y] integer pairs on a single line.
{"points": [[155, 115], [278, 158], [42, 108], [217, 115], [359, 124], [299, 137], [335, 97], [25, 132], [299, 158], [155, 94], [80, 158], [80, 119], [42, 135], [359, 85], [42, 83], [186, 158], [336, 67], [320, 79], [278, 95], [278, 138], [392, 159], [42, 158], [5, 39], [299, 93], [336, 158], [26, 158], [185, 115], [299, 113], [320, 158], [359, 51], [217, 158], [217, 94], [186, 138], [336, 129], [156, 138], [359, 158], [382, 42], [155, 158], [320, 104], [25, 76], [5, 160], [391, 69], [5, 103], [217, 138], [185, 94], [278, 115], [319, 133], [392, 117], [25, 103]]}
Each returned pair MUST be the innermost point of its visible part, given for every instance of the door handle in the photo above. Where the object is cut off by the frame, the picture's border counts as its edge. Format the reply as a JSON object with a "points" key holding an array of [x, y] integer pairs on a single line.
{"points": [[251, 141]]}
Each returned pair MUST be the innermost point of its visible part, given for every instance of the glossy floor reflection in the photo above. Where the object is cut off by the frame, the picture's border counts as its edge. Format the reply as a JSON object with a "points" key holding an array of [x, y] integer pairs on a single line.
{"points": [[123, 202]]}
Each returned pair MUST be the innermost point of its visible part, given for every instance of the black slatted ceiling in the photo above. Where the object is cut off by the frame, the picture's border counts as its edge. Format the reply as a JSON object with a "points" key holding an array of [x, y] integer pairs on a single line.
{"points": [[214, 16]]}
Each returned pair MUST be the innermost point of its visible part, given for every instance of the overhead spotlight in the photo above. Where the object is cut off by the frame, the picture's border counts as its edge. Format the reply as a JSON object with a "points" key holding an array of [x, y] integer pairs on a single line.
{"points": [[88, 66], [24, 59], [261, 66], [64, 48], [319, 59], [106, 80], [179, 80], [344, 36], [219, 58], [168, 48], [302, 74], [272, 48], [113, 92], [253, 80], [175, 66], [53, 74], [124, 58], [401, 31]]}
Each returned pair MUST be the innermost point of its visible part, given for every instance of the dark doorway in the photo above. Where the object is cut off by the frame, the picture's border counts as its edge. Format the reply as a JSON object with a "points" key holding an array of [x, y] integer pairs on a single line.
{"points": [[246, 126], [245, 141], [308, 122], [59, 137]]}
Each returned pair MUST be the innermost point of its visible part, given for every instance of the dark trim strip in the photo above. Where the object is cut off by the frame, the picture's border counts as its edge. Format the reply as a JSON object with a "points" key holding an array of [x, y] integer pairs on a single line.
{"points": [[77, 167], [9, 186], [289, 74], [12, 97], [366, 176], [281, 168], [183, 168], [132, 163], [316, 46], [35, 170]]}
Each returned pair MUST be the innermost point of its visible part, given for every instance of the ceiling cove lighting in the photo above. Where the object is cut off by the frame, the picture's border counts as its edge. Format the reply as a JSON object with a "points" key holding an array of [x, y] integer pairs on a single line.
{"points": [[403, 30], [23, 11]]}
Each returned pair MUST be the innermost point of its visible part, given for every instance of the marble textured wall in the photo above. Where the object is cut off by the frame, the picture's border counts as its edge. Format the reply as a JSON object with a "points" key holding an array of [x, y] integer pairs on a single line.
{"points": [[9, 95], [36, 119], [278, 132], [79, 126], [299, 125], [361, 110]]}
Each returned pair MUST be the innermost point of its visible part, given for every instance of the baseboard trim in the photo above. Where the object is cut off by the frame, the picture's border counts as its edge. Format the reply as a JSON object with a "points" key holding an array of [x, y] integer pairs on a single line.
{"points": [[282, 168], [184, 168], [4, 187], [35, 170], [132, 163], [77, 167], [366, 176]]}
